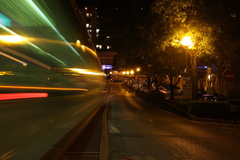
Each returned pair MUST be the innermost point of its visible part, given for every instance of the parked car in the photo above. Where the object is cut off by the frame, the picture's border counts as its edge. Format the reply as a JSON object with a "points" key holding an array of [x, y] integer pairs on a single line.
{"points": [[178, 91], [210, 97], [235, 105], [164, 90], [167, 91]]}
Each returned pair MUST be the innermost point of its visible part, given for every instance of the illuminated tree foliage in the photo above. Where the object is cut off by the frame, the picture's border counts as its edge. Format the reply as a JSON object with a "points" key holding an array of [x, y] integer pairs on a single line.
{"points": [[180, 18], [213, 26]]}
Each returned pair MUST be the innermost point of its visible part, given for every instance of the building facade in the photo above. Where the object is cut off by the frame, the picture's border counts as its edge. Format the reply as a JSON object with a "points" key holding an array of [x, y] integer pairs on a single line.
{"points": [[105, 53]]}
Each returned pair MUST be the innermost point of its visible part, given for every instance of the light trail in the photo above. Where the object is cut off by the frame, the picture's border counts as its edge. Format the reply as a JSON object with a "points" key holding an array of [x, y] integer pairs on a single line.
{"points": [[44, 88]]}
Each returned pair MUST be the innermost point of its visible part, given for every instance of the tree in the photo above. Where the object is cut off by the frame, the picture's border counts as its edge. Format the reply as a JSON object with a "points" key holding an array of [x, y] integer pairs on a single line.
{"points": [[179, 18]]}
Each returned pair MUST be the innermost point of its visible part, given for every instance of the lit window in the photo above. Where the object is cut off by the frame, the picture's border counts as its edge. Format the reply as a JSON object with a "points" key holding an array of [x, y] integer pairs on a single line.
{"points": [[86, 8], [108, 47], [98, 46], [88, 14], [97, 30], [88, 25], [234, 15], [108, 37]]}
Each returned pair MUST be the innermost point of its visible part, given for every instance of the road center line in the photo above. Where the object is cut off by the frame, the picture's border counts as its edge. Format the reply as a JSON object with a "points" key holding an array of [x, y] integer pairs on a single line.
{"points": [[112, 128], [151, 121]]}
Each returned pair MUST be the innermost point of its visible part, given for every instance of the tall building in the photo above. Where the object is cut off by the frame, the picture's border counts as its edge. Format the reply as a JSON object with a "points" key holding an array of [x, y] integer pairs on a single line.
{"points": [[105, 53]]}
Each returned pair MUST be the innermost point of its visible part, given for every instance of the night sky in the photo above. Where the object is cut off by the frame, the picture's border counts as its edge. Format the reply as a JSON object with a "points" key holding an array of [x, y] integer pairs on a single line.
{"points": [[86, 2]]}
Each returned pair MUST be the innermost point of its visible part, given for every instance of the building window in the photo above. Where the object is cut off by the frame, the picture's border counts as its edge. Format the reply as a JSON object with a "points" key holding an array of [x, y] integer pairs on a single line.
{"points": [[108, 47], [88, 14], [88, 25], [89, 30], [99, 46], [233, 15]]}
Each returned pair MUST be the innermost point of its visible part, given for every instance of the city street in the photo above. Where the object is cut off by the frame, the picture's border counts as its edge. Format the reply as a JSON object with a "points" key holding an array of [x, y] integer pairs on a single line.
{"points": [[141, 132]]}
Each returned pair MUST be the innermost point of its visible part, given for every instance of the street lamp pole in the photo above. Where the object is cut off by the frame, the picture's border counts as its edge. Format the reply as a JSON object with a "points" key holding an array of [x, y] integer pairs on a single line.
{"points": [[187, 42], [138, 70]]}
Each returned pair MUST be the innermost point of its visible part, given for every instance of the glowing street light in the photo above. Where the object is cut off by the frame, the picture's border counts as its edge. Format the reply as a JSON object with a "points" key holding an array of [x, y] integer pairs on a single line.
{"points": [[187, 41], [138, 69]]}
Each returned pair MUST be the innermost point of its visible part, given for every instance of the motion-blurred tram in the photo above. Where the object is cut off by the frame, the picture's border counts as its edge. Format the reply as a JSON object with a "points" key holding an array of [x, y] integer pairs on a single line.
{"points": [[51, 80], [44, 47]]}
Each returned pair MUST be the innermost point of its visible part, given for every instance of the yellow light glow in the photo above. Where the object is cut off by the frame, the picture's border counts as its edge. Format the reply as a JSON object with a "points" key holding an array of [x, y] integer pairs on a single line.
{"points": [[131, 72], [12, 38], [209, 77], [187, 41], [78, 43], [138, 69]]}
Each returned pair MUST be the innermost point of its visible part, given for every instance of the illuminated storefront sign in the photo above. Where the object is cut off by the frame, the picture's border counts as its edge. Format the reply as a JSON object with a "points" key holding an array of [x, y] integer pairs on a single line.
{"points": [[106, 67]]}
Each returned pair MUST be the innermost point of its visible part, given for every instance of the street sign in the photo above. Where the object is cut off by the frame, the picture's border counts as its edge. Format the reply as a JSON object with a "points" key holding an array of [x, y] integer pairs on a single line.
{"points": [[228, 75]]}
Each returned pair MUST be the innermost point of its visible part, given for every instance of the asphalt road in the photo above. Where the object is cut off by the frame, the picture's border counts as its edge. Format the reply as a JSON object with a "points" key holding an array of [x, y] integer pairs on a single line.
{"points": [[141, 132], [30, 128]]}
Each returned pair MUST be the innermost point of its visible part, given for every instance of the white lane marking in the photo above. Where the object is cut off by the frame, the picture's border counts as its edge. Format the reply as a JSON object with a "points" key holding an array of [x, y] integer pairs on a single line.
{"points": [[112, 128], [133, 102], [151, 121], [140, 158]]}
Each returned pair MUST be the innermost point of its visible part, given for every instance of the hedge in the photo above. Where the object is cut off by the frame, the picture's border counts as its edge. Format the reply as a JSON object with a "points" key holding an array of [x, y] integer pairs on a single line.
{"points": [[209, 109]]}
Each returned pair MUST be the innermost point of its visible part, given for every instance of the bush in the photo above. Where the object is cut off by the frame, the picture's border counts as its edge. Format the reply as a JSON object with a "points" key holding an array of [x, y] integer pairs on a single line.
{"points": [[182, 104], [152, 97], [209, 109]]}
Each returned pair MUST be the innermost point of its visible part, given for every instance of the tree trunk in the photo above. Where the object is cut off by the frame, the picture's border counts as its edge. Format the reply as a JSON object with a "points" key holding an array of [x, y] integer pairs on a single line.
{"points": [[156, 82], [171, 87], [194, 77]]}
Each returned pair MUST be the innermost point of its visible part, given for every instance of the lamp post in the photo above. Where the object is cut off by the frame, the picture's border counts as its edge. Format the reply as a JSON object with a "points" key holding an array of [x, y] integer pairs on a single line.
{"points": [[189, 90], [138, 70], [187, 42]]}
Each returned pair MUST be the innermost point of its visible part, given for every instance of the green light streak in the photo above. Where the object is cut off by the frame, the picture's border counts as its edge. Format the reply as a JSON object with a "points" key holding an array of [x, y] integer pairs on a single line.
{"points": [[50, 24]]}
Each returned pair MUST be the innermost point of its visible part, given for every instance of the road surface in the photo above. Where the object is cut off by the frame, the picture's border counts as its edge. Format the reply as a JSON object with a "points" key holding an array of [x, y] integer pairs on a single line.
{"points": [[141, 132], [30, 128]]}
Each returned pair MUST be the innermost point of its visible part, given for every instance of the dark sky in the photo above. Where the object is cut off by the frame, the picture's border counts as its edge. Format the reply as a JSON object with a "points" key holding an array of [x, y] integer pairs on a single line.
{"points": [[86, 2]]}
